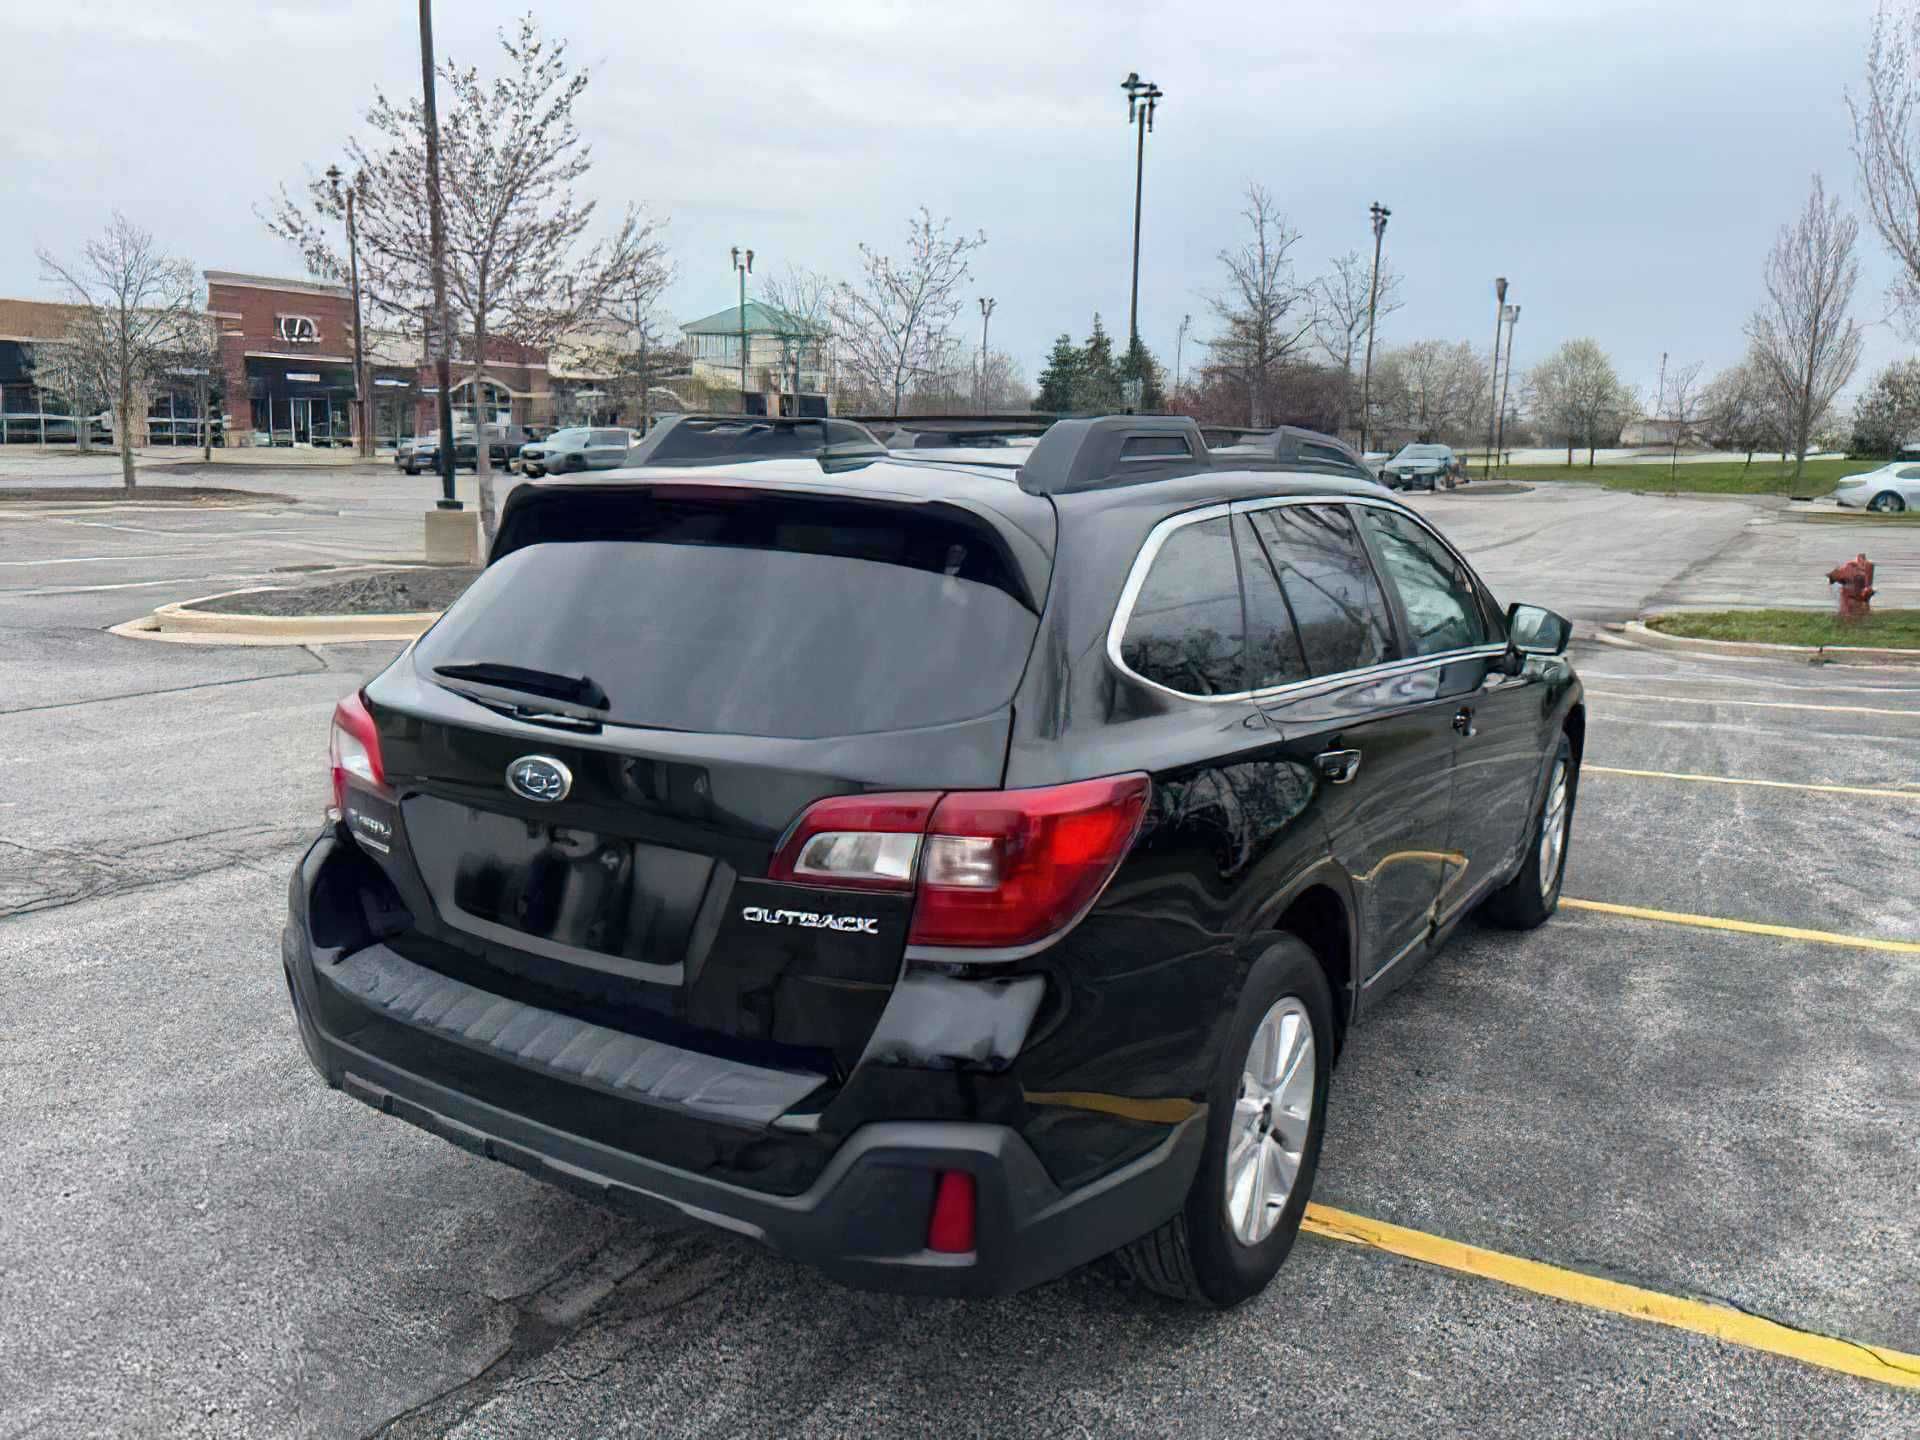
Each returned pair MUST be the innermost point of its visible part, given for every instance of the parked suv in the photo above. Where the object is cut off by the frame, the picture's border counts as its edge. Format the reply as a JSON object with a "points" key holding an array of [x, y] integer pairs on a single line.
{"points": [[1425, 466], [943, 874], [578, 448]]}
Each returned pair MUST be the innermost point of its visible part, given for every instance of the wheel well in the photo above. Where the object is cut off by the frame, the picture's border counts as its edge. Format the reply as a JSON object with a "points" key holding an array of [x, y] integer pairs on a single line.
{"points": [[1319, 919]]}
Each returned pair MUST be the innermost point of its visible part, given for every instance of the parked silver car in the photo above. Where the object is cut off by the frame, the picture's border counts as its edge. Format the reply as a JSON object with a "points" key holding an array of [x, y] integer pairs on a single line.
{"points": [[580, 448], [1891, 489]]}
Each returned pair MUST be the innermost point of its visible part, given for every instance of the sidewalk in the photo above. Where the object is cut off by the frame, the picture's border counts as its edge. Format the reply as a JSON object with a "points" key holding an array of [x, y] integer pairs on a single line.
{"points": [[63, 465]]}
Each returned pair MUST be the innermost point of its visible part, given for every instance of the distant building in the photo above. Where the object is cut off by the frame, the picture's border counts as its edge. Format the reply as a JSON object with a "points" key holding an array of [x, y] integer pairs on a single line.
{"points": [[773, 345], [1649, 431]]}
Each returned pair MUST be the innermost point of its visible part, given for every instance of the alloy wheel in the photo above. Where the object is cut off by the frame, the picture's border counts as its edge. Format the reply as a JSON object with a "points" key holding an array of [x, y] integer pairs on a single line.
{"points": [[1271, 1118], [1887, 503], [1553, 829]]}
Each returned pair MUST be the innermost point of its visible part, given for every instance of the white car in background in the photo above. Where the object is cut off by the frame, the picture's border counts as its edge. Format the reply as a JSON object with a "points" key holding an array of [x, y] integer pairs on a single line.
{"points": [[1890, 489]]}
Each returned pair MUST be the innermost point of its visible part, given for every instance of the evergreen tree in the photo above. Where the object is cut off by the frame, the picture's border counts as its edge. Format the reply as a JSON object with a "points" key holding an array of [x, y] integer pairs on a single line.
{"points": [[1060, 377], [1140, 365], [1097, 391]]}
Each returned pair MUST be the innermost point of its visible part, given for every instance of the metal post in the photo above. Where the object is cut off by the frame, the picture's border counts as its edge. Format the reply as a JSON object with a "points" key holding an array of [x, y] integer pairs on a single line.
{"points": [[1380, 214], [1142, 97], [743, 268], [1499, 311], [987, 303], [1180, 349], [442, 327], [1513, 319]]}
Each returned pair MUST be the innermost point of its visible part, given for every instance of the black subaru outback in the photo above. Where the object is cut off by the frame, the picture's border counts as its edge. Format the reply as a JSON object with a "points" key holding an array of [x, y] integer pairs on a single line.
{"points": [[943, 873]]}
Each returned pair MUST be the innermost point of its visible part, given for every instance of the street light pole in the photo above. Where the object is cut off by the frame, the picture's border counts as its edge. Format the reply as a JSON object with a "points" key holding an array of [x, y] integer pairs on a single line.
{"points": [[1379, 213], [363, 402], [1499, 314], [987, 302], [1142, 97], [1180, 349], [744, 268], [1513, 319], [442, 327]]}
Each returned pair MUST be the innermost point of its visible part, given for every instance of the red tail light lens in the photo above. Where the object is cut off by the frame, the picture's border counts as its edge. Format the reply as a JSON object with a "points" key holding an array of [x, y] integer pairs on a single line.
{"points": [[989, 868], [354, 750], [1009, 867], [950, 1229], [864, 842]]}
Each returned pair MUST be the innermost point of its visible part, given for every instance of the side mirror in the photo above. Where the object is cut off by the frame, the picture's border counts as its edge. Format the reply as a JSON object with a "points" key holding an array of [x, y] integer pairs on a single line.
{"points": [[1536, 630]]}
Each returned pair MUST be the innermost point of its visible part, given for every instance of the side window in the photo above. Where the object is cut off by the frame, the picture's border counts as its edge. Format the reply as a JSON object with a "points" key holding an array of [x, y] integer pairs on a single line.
{"points": [[1274, 656], [1443, 611], [1185, 628], [604, 439], [1329, 585]]}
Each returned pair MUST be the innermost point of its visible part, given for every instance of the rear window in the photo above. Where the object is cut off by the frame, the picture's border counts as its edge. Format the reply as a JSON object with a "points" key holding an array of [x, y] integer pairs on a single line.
{"points": [[751, 615], [694, 440]]}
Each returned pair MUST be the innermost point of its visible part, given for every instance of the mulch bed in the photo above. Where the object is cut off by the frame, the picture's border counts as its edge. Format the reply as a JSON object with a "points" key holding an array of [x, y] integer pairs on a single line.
{"points": [[380, 592], [139, 495]]}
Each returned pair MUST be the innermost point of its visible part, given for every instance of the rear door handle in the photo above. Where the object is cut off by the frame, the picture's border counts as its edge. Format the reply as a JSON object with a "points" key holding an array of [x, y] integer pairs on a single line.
{"points": [[1339, 766], [1463, 721]]}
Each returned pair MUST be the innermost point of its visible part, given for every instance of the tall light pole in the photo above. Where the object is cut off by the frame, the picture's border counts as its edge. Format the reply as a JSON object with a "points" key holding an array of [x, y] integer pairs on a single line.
{"points": [[1499, 316], [987, 302], [362, 402], [442, 327], [1142, 97], [1379, 213], [1179, 348], [743, 265], [1513, 319]]}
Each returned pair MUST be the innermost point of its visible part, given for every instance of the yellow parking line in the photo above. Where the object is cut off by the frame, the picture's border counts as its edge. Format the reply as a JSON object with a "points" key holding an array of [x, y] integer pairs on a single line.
{"points": [[1736, 1327], [1752, 704], [1734, 780], [1744, 927]]}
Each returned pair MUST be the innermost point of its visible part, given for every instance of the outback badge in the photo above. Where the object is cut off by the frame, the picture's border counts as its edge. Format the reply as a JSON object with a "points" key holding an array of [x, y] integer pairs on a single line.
{"points": [[539, 777]]}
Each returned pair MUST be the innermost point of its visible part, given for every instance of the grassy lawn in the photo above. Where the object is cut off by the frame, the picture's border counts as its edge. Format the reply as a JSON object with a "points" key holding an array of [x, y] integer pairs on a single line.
{"points": [[1763, 477], [1895, 629]]}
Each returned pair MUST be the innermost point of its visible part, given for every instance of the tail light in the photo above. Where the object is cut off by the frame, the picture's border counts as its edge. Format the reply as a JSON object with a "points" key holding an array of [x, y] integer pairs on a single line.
{"points": [[355, 751], [988, 869], [950, 1228]]}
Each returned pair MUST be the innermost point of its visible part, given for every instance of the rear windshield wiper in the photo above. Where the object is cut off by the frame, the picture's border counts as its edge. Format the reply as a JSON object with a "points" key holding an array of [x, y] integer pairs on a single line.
{"points": [[580, 689]]}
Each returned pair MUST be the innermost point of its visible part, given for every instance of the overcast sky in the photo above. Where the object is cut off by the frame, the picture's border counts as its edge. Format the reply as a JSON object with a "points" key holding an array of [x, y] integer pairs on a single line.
{"points": [[1625, 164]]}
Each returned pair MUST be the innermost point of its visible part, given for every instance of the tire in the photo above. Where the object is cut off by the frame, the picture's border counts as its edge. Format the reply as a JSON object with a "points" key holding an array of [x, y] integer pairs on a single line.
{"points": [[1201, 1255], [413, 469], [1887, 503], [1530, 897]]}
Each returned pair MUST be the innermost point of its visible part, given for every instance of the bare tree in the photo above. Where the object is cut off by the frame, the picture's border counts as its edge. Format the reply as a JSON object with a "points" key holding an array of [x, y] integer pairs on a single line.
{"points": [[518, 278], [61, 369], [132, 306], [1678, 406], [1576, 393], [893, 327], [1430, 389], [1886, 146], [1266, 315], [1802, 337], [1340, 313], [800, 302], [1736, 410]]}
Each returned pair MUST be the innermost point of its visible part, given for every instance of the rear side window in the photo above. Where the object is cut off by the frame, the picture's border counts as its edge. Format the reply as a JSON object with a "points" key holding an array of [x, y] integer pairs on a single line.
{"points": [[1185, 630], [1443, 610], [601, 439], [1337, 603], [1274, 655], [745, 615]]}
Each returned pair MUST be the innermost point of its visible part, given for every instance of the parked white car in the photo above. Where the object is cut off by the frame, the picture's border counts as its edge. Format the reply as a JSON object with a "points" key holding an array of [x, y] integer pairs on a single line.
{"points": [[1890, 489]]}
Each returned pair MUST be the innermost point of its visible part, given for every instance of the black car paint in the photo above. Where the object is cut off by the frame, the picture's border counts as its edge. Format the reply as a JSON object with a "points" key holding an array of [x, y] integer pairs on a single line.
{"points": [[1095, 1051]]}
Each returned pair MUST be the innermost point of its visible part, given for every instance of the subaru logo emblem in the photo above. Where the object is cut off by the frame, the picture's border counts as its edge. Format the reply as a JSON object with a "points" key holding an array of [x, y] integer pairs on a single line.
{"points": [[539, 777]]}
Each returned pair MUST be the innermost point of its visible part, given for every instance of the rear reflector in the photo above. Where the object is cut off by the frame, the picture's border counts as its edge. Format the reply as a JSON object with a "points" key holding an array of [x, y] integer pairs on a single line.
{"points": [[354, 750], [994, 868], [950, 1230]]}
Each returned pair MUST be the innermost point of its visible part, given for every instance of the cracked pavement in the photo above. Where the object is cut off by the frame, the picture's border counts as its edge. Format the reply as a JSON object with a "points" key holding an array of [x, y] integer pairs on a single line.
{"points": [[200, 1239]]}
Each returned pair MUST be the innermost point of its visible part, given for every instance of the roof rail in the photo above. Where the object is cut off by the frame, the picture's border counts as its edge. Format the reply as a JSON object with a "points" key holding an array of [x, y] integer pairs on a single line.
{"points": [[1113, 450]]}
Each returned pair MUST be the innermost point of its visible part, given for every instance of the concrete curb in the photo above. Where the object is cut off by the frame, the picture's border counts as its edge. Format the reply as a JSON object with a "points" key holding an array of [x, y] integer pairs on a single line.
{"points": [[181, 624], [1643, 634]]}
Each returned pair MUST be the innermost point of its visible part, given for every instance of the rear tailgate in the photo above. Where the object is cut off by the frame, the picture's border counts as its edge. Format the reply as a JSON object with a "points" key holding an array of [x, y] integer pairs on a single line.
{"points": [[758, 652]]}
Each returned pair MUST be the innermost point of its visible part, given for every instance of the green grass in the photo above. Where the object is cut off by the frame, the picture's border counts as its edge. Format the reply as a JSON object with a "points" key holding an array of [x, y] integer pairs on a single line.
{"points": [[1895, 629], [1713, 477]]}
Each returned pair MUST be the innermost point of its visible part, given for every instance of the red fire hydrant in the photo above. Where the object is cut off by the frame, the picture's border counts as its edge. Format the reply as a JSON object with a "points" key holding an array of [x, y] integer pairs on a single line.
{"points": [[1855, 579]]}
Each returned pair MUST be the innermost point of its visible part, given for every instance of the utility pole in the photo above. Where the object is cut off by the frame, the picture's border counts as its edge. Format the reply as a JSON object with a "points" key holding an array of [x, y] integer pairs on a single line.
{"points": [[441, 331], [1379, 213], [1142, 97], [1180, 348], [744, 268], [987, 302], [1513, 319], [1499, 316], [363, 402]]}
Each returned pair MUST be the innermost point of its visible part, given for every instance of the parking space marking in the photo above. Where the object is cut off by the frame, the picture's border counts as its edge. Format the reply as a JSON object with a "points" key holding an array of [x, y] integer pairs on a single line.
{"points": [[1736, 1327], [1752, 704], [1744, 927], [1738, 780], [1771, 684]]}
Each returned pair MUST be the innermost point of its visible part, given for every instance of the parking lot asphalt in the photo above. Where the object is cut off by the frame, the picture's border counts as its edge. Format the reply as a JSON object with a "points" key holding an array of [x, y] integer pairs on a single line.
{"points": [[200, 1239]]}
